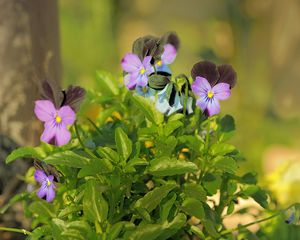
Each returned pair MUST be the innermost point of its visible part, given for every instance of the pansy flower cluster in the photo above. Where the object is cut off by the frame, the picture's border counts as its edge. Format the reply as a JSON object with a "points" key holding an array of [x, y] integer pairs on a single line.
{"points": [[147, 73], [57, 110]]}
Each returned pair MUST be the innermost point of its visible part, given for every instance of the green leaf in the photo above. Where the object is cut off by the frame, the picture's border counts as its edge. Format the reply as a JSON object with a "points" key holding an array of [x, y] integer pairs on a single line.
{"points": [[194, 190], [193, 207], [108, 153], [148, 109], [42, 209], [115, 230], [95, 207], [151, 200], [67, 158], [249, 178], [171, 127], [221, 149], [171, 228], [261, 197], [227, 124], [166, 207], [158, 82], [226, 164], [124, 144], [166, 166], [145, 232], [196, 230], [26, 152], [108, 86], [69, 210], [57, 227], [175, 117], [230, 208], [96, 166], [210, 227], [165, 145], [212, 182]]}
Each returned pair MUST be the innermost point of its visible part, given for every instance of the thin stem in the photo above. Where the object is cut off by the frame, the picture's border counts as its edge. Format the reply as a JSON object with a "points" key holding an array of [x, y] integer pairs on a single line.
{"points": [[95, 126], [186, 91], [23, 231], [81, 143], [227, 231]]}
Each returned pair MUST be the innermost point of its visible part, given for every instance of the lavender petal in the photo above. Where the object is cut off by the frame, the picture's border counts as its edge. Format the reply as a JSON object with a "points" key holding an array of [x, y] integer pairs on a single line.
{"points": [[40, 176], [67, 115], [131, 63], [221, 91], [213, 107], [169, 54], [44, 110]]}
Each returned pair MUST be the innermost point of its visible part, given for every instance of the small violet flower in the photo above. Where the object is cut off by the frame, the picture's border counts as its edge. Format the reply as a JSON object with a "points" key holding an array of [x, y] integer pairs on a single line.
{"points": [[137, 70], [56, 121], [146, 92], [208, 97], [47, 186], [167, 58]]}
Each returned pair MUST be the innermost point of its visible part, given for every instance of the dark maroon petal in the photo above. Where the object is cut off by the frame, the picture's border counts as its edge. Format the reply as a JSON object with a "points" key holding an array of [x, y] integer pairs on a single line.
{"points": [[147, 46], [73, 97], [52, 92], [227, 75], [206, 70], [172, 38]]}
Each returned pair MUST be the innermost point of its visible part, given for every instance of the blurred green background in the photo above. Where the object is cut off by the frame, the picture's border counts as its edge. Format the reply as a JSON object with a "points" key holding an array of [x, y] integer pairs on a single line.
{"points": [[261, 39]]}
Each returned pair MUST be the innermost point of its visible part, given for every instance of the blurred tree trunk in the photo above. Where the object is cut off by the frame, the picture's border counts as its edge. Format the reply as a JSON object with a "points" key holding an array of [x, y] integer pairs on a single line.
{"points": [[29, 53]]}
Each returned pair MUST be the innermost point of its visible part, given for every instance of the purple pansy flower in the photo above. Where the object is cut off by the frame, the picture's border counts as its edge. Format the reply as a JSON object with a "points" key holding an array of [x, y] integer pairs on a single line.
{"points": [[47, 189], [211, 84], [56, 121], [208, 97], [167, 58], [137, 70]]}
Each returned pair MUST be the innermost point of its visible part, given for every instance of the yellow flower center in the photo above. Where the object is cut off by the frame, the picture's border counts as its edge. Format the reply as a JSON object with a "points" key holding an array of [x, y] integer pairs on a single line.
{"points": [[48, 183], [159, 63], [210, 94], [142, 71], [58, 119]]}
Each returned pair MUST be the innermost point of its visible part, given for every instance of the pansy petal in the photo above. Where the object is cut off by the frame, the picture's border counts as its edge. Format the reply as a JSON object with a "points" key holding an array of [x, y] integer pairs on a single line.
{"points": [[51, 178], [169, 54], [147, 62], [221, 91], [67, 115], [142, 80], [62, 135], [213, 107], [49, 131], [200, 86], [42, 192], [50, 194], [44, 110], [202, 103], [171, 38], [206, 70], [131, 63], [129, 81], [40, 176], [227, 75]]}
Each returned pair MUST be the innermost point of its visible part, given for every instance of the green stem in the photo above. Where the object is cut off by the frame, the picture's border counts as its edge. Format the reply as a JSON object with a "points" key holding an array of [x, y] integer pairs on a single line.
{"points": [[88, 151], [23, 231], [227, 231], [186, 91], [95, 126]]}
